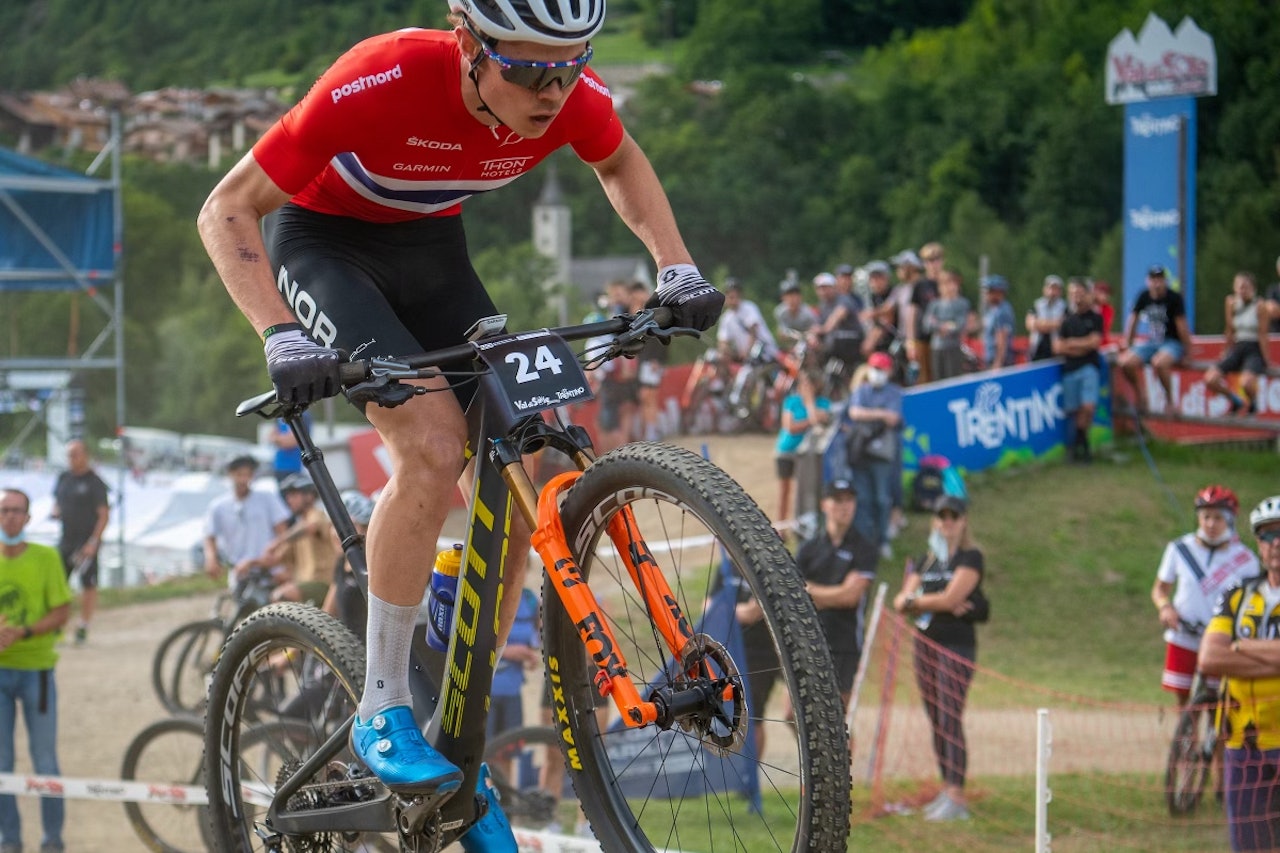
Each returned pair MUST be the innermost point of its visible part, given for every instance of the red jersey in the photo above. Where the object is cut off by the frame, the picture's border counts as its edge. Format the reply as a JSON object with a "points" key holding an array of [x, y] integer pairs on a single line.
{"points": [[384, 135]]}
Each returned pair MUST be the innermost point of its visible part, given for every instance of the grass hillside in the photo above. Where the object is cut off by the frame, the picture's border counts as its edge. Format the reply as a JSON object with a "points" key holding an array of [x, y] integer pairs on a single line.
{"points": [[1071, 556]]}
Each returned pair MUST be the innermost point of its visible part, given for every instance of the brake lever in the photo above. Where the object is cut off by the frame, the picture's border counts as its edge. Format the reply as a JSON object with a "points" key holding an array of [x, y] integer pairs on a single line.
{"points": [[383, 390]]}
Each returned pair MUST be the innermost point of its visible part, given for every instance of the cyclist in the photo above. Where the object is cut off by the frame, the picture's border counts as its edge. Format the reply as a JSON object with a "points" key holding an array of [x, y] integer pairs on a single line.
{"points": [[361, 185], [1195, 570], [1241, 645]]}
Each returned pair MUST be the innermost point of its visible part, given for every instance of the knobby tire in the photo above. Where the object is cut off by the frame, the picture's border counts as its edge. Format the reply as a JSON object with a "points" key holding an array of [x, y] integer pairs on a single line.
{"points": [[690, 513], [313, 666], [168, 752]]}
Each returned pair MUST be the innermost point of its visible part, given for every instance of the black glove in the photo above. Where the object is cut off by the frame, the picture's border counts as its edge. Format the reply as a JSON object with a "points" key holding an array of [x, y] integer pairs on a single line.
{"points": [[694, 303], [302, 370]]}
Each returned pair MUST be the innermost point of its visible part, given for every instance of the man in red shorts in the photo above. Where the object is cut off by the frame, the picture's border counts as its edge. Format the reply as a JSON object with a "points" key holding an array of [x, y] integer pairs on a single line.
{"points": [[360, 187]]}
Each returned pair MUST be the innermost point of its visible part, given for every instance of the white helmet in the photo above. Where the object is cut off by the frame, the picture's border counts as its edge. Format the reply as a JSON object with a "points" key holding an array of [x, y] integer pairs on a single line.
{"points": [[1265, 513], [554, 22], [359, 507]]}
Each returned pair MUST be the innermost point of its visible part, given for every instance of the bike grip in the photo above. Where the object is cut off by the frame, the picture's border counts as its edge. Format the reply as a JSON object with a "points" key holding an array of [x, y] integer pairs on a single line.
{"points": [[353, 371]]}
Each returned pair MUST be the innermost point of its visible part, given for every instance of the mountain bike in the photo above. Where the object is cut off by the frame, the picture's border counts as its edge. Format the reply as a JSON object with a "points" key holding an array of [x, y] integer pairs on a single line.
{"points": [[648, 690], [1194, 749], [183, 659]]}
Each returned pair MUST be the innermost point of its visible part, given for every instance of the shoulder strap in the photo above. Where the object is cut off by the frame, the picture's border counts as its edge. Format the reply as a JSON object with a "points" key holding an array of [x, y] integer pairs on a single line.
{"points": [[1190, 560]]}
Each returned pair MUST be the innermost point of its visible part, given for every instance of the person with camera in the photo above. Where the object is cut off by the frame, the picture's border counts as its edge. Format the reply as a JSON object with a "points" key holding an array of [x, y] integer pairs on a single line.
{"points": [[943, 595]]}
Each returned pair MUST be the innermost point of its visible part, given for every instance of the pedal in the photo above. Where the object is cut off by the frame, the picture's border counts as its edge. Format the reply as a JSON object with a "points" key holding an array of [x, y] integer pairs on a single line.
{"points": [[272, 840]]}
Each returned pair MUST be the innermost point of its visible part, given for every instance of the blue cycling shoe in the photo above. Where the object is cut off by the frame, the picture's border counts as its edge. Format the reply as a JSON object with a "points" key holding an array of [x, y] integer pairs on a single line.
{"points": [[492, 833], [392, 746]]}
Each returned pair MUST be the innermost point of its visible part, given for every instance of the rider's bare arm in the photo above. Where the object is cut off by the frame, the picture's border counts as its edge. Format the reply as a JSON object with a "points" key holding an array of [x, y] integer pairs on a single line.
{"points": [[636, 194]]}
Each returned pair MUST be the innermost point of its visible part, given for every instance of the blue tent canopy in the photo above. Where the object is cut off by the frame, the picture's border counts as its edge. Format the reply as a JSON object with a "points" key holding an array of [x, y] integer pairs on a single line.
{"points": [[56, 226]]}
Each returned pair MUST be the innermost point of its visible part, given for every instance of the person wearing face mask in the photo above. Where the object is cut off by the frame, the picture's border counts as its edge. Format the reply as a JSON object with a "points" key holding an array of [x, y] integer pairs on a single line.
{"points": [[33, 611], [1194, 572], [875, 407]]}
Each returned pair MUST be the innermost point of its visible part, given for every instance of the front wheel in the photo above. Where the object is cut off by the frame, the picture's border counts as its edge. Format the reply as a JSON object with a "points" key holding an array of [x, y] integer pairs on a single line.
{"points": [[1190, 757], [732, 774], [165, 753]]}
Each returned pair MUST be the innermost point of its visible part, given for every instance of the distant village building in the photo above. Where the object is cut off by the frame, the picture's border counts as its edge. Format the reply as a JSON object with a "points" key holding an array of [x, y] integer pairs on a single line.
{"points": [[169, 125], [553, 238]]}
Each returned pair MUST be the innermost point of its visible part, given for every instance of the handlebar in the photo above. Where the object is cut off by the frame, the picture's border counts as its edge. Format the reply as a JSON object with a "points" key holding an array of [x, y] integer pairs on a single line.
{"points": [[650, 322]]}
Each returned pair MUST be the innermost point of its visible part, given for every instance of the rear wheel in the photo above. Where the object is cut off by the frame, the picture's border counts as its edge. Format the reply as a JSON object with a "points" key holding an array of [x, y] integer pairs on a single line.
{"points": [[735, 773], [312, 668]]}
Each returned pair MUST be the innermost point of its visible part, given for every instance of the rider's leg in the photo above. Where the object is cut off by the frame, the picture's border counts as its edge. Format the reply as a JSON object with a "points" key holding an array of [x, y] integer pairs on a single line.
{"points": [[424, 439]]}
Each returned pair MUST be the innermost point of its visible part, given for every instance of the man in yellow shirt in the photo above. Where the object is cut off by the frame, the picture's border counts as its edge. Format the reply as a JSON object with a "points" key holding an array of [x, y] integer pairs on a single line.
{"points": [[1242, 643], [34, 604]]}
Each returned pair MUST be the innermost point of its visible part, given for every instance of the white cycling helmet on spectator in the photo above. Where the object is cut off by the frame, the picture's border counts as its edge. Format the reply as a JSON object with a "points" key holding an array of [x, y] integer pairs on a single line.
{"points": [[1265, 513], [359, 507], [554, 22]]}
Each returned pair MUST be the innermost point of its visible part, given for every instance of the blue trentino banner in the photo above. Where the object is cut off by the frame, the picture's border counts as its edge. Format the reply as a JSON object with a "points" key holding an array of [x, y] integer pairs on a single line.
{"points": [[1155, 223], [994, 419]]}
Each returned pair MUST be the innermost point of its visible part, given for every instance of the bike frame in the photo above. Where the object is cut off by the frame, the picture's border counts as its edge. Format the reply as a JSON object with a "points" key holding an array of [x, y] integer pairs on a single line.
{"points": [[501, 485]]}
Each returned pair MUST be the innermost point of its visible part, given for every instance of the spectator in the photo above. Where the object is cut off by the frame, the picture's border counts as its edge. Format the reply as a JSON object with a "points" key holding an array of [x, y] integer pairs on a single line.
{"points": [[288, 457], [80, 501], [345, 601], [599, 311], [34, 607], [792, 314], [1241, 645], [1077, 341], [880, 318], [943, 593], [915, 292], [651, 363], [838, 334], [801, 409], [945, 320], [1273, 300], [838, 565], [741, 325], [1163, 314], [616, 385], [1044, 318], [1194, 571], [506, 706], [997, 323], [1101, 292], [239, 527], [1247, 321], [307, 548], [875, 413]]}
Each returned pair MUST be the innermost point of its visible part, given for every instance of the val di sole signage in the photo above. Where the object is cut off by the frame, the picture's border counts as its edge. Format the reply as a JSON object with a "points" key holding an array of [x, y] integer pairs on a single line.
{"points": [[1157, 75]]}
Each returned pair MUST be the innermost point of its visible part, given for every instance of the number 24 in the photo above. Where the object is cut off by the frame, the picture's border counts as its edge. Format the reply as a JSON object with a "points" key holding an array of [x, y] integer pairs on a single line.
{"points": [[542, 360]]}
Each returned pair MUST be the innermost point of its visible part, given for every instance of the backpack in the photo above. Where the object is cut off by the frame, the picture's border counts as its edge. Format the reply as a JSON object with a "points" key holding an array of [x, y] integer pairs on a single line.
{"points": [[927, 486], [935, 477]]}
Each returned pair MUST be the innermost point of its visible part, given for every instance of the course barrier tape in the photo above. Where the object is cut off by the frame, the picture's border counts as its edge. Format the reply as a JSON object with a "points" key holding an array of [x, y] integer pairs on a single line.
{"points": [[116, 790]]}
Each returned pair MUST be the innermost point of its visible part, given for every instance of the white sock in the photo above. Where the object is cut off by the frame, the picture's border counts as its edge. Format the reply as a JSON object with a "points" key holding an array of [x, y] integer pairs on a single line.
{"points": [[386, 669]]}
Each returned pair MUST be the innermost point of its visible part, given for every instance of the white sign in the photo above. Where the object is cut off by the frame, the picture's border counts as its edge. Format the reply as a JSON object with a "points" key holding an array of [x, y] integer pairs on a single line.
{"points": [[1161, 63]]}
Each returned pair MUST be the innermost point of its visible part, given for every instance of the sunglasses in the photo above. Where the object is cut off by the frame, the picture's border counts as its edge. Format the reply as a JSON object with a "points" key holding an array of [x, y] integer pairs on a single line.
{"points": [[948, 515], [12, 510], [1268, 536], [534, 75]]}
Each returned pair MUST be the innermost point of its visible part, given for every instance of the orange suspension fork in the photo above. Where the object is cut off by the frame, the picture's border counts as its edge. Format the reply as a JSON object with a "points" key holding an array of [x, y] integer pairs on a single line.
{"points": [[612, 679]]}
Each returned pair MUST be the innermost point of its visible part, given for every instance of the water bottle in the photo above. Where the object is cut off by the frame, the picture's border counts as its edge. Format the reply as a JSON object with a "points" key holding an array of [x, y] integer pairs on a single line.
{"points": [[441, 596]]}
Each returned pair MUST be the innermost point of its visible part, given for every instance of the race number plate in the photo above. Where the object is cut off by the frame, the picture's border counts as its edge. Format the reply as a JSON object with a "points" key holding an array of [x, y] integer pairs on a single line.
{"points": [[537, 371]]}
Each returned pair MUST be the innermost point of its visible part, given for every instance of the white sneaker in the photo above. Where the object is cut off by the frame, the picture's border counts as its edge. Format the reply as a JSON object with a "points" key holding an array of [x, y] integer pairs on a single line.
{"points": [[934, 804], [949, 810]]}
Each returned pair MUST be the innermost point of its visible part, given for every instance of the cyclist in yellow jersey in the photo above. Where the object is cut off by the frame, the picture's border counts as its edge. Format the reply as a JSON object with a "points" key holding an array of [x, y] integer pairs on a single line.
{"points": [[1242, 643]]}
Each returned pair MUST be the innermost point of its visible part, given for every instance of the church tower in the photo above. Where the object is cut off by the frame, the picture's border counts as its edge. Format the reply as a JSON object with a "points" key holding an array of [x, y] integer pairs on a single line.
{"points": [[553, 231]]}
